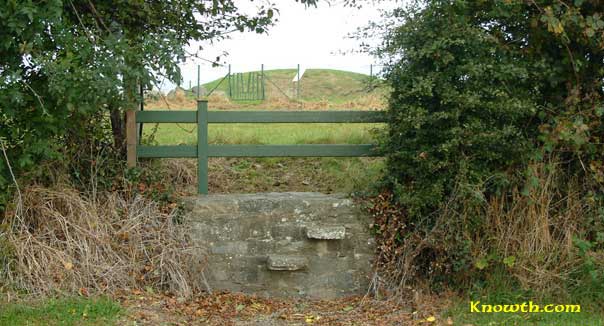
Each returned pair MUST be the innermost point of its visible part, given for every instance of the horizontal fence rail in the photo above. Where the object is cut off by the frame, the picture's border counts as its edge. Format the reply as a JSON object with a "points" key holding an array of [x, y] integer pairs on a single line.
{"points": [[263, 116], [202, 151], [311, 150]]}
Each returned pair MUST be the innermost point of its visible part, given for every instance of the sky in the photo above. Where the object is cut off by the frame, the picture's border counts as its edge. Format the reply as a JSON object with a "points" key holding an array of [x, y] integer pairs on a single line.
{"points": [[312, 37]]}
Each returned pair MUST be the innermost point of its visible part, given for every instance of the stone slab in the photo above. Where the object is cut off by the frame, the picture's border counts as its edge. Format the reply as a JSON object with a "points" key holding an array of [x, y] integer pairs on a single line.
{"points": [[286, 263], [321, 232]]}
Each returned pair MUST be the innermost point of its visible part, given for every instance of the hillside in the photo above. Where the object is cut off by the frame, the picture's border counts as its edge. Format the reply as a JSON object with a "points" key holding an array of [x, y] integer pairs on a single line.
{"points": [[315, 85], [319, 89]]}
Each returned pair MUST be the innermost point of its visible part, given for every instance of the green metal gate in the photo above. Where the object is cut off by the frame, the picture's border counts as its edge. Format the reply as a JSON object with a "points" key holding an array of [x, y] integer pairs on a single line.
{"points": [[246, 86]]}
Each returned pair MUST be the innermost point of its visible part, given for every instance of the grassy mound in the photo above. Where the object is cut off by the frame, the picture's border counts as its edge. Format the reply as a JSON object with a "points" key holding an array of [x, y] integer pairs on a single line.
{"points": [[336, 86]]}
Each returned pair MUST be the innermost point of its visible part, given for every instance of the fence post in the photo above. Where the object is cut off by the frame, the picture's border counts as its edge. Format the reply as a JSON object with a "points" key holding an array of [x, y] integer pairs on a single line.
{"points": [[298, 84], [131, 138], [230, 85], [202, 146], [198, 86], [262, 81]]}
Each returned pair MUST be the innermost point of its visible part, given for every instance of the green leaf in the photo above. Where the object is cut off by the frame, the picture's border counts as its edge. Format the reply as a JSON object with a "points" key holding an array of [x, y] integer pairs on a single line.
{"points": [[481, 263], [590, 32], [509, 261]]}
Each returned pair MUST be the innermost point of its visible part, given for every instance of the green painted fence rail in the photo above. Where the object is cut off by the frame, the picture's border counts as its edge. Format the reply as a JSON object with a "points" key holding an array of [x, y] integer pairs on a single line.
{"points": [[202, 151], [263, 116]]}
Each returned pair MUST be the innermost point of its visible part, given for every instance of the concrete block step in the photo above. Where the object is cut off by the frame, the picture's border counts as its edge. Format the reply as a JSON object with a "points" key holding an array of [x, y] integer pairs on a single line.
{"points": [[286, 263]]}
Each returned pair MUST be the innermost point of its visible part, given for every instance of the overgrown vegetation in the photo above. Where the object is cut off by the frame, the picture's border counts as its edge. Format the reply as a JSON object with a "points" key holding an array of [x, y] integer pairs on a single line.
{"points": [[494, 147], [64, 241]]}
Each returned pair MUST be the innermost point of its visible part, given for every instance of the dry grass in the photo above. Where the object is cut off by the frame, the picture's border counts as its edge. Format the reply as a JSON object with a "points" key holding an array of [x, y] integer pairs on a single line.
{"points": [[537, 229], [534, 230], [65, 242], [251, 175], [370, 101]]}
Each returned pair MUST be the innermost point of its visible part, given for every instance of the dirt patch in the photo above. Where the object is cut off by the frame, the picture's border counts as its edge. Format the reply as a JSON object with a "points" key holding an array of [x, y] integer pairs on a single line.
{"points": [[230, 309]]}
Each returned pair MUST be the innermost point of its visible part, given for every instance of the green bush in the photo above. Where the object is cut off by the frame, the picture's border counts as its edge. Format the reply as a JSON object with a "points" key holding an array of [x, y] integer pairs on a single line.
{"points": [[482, 92], [462, 109]]}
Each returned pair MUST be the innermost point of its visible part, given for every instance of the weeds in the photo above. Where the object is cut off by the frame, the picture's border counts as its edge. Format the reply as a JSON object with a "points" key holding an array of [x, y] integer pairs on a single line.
{"points": [[65, 242], [521, 240]]}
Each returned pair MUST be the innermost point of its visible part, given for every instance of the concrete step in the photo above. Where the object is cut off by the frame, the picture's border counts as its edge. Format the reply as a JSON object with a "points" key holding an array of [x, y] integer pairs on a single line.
{"points": [[284, 244], [283, 204]]}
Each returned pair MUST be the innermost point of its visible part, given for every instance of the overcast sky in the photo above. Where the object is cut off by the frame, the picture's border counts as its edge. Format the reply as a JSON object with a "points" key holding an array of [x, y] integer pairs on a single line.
{"points": [[312, 37]]}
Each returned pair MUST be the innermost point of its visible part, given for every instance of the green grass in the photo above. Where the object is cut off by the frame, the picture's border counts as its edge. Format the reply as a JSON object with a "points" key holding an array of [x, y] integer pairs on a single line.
{"points": [[279, 133], [591, 313], [65, 311], [324, 174]]}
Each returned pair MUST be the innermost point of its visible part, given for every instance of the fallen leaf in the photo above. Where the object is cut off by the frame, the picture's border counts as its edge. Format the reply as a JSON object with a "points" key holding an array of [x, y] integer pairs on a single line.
{"points": [[310, 319]]}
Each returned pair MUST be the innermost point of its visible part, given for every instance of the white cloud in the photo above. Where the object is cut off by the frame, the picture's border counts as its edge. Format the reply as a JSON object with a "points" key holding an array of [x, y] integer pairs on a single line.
{"points": [[312, 37]]}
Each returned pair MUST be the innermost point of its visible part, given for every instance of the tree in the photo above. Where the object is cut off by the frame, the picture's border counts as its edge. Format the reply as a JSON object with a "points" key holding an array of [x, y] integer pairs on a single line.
{"points": [[66, 65]]}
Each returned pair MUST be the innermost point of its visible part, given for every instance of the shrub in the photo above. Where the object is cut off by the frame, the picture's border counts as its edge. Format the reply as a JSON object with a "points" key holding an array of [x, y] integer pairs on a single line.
{"points": [[494, 127]]}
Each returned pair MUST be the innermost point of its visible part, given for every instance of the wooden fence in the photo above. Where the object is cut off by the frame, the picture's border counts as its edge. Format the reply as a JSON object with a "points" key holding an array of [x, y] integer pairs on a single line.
{"points": [[202, 151]]}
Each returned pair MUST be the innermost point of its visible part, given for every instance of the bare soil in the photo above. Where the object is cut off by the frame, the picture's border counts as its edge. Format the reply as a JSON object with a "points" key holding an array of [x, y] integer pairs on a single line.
{"points": [[232, 309]]}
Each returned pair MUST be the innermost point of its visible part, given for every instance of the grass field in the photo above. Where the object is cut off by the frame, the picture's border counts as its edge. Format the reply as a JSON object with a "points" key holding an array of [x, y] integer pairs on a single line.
{"points": [[239, 175], [276, 133]]}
